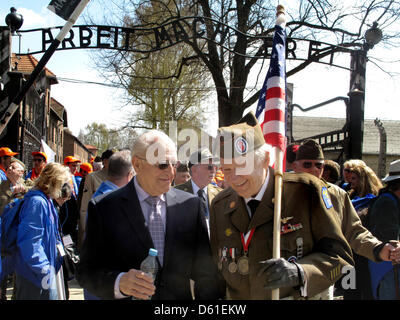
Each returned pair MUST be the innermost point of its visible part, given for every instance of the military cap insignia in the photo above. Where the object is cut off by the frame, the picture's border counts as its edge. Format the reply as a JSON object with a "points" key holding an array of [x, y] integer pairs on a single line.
{"points": [[241, 145], [326, 198], [228, 232]]}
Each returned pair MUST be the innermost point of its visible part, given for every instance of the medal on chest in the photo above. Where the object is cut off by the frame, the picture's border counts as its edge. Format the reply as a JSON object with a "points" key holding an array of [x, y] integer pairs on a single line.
{"points": [[232, 267], [287, 227], [243, 262]]}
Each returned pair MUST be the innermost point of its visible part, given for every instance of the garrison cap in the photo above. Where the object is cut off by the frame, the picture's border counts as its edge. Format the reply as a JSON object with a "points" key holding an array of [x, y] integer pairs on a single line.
{"points": [[240, 138], [203, 155], [310, 150]]}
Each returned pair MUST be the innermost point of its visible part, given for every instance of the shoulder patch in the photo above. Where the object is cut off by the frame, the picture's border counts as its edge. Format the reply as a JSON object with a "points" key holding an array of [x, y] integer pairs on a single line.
{"points": [[326, 198]]}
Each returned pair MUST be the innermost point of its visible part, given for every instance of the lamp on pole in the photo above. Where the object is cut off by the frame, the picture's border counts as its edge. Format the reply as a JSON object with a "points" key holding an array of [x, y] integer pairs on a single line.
{"points": [[357, 92], [14, 20]]}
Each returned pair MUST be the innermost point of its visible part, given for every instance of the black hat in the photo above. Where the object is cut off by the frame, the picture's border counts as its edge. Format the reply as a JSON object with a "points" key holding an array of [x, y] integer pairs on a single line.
{"points": [[310, 150]]}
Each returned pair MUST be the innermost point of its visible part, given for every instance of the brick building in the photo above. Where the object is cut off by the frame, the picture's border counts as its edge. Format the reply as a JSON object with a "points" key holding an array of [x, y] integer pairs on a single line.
{"points": [[74, 147]]}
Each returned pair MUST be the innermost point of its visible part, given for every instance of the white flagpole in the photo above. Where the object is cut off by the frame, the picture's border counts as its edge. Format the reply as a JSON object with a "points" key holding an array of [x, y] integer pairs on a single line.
{"points": [[276, 250], [45, 58]]}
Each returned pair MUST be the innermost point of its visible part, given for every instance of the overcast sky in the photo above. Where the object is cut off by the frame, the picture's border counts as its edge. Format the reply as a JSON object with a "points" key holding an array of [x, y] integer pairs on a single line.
{"points": [[87, 103]]}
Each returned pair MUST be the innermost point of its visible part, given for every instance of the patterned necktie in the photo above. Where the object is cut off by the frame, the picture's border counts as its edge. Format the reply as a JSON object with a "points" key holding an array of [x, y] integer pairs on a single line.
{"points": [[156, 227], [202, 197], [253, 204]]}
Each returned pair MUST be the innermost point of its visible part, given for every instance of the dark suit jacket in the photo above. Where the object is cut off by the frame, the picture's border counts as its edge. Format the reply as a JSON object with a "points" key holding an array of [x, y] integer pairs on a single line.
{"points": [[117, 240]]}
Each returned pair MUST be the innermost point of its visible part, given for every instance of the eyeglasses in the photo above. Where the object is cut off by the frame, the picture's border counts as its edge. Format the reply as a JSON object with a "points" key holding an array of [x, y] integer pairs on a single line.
{"points": [[347, 170], [163, 165], [309, 164], [37, 160]]}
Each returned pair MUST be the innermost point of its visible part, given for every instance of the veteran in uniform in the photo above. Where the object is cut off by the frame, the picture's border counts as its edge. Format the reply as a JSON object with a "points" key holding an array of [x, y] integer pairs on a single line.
{"points": [[310, 159], [313, 248]]}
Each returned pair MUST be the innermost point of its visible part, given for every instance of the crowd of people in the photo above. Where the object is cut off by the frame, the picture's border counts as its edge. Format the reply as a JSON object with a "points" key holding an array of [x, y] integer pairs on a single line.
{"points": [[210, 220]]}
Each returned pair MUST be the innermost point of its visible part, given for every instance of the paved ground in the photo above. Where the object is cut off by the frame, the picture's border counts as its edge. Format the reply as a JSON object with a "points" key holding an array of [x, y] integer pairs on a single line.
{"points": [[75, 291]]}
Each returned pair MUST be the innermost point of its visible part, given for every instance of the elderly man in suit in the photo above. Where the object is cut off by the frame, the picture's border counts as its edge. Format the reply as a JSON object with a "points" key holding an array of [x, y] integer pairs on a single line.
{"points": [[148, 213], [202, 170]]}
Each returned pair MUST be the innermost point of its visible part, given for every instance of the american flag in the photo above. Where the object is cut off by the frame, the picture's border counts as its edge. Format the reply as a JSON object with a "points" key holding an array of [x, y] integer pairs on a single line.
{"points": [[271, 106]]}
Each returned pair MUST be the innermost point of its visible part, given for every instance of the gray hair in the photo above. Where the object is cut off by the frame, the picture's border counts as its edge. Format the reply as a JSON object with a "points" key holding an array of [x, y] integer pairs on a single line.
{"points": [[152, 138], [261, 153], [119, 164]]}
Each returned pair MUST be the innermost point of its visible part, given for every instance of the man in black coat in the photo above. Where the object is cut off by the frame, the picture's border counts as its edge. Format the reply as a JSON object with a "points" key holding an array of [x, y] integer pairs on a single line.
{"points": [[119, 233]]}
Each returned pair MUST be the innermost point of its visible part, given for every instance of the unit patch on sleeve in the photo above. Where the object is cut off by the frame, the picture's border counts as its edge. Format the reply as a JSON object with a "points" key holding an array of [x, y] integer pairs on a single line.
{"points": [[326, 198]]}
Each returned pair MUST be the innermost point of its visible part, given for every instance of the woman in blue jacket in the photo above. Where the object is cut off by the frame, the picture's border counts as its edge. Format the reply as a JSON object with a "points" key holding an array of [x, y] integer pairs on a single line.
{"points": [[39, 255]]}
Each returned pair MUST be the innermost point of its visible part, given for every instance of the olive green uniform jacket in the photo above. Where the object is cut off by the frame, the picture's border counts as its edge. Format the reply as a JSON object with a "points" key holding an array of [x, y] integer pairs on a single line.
{"points": [[324, 251], [360, 239]]}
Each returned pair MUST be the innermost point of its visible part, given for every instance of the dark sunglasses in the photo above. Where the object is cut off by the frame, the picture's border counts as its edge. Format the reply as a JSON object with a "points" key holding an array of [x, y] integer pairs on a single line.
{"points": [[309, 164], [163, 165], [38, 160]]}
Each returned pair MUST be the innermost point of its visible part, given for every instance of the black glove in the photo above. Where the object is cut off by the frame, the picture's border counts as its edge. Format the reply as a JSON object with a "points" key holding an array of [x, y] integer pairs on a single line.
{"points": [[281, 273]]}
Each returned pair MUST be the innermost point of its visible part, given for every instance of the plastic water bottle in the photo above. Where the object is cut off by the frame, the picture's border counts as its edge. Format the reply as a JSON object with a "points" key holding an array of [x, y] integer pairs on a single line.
{"points": [[149, 265]]}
